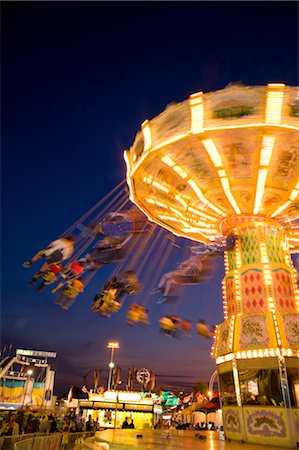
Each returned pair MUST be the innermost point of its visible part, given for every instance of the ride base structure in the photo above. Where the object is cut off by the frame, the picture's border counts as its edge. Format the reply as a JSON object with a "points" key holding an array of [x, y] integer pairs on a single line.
{"points": [[225, 164]]}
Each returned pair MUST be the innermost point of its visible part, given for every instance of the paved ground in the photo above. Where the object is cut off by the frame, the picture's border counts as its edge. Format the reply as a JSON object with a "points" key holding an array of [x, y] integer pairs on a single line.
{"points": [[154, 440]]}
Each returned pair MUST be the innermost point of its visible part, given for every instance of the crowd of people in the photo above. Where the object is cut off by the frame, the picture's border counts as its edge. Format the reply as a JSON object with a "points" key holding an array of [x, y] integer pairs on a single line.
{"points": [[14, 423]]}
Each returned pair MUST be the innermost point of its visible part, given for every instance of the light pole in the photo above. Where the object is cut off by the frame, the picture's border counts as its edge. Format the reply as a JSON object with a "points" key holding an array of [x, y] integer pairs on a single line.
{"points": [[29, 372], [113, 346]]}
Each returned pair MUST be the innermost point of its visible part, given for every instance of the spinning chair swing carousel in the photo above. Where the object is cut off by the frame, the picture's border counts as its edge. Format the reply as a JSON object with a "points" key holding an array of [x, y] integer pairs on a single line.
{"points": [[221, 171], [225, 165]]}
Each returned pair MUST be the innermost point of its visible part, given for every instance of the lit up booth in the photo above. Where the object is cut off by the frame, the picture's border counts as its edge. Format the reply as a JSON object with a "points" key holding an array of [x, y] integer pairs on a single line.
{"points": [[112, 408], [18, 380]]}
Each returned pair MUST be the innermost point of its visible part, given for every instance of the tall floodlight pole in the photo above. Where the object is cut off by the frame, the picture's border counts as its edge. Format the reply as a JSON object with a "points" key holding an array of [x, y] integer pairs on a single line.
{"points": [[113, 346], [29, 373]]}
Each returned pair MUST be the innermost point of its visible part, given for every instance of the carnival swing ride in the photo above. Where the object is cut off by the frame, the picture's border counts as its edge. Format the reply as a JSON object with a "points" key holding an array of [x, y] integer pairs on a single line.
{"points": [[219, 171], [216, 172]]}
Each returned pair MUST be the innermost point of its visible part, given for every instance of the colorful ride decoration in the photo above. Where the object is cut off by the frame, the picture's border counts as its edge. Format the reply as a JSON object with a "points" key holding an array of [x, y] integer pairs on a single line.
{"points": [[225, 164]]}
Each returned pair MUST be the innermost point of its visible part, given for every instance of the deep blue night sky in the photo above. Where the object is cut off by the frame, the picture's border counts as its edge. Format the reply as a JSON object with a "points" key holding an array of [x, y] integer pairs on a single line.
{"points": [[78, 79]]}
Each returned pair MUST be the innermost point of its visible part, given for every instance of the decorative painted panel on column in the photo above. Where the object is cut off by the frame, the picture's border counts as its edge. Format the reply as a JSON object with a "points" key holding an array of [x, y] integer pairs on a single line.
{"points": [[253, 291], [250, 247], [274, 247], [254, 332], [222, 345], [284, 296], [291, 328]]}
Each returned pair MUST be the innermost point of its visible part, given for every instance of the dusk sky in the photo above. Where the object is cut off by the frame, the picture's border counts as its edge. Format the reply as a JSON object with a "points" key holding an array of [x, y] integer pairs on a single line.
{"points": [[78, 79]]}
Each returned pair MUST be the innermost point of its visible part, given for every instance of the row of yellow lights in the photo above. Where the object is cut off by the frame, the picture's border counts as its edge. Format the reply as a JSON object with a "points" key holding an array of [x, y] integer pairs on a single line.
{"points": [[293, 236], [276, 328], [295, 287], [293, 195], [205, 231], [213, 153], [265, 157], [188, 229], [184, 204], [267, 274], [231, 333], [197, 113], [156, 202], [150, 180], [226, 264], [237, 290], [167, 217], [224, 291], [201, 197], [258, 353], [200, 213], [179, 170], [181, 201], [224, 300], [176, 167], [274, 103], [237, 275], [181, 220], [291, 219], [203, 222], [214, 341], [147, 135]]}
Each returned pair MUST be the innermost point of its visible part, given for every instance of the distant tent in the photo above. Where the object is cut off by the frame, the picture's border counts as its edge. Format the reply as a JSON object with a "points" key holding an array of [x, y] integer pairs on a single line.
{"points": [[212, 405], [210, 409]]}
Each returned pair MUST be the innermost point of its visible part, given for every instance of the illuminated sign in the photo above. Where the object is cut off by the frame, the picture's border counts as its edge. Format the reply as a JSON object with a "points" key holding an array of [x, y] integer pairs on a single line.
{"points": [[145, 408], [158, 409], [122, 396], [129, 396], [167, 416], [110, 395], [86, 404], [22, 352], [107, 405]]}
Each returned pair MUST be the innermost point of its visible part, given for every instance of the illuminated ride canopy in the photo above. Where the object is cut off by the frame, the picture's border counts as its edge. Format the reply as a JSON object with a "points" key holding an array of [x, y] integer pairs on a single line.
{"points": [[217, 155], [226, 164]]}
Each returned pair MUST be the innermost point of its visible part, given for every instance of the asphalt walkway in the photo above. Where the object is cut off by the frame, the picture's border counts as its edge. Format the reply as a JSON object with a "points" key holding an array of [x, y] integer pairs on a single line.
{"points": [[176, 440]]}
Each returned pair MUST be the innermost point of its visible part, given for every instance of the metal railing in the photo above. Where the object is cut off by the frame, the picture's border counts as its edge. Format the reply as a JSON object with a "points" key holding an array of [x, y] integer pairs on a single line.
{"points": [[37, 441]]}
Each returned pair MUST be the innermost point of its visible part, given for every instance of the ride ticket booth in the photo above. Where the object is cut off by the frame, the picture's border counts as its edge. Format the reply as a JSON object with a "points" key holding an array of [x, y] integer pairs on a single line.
{"points": [[111, 408]]}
